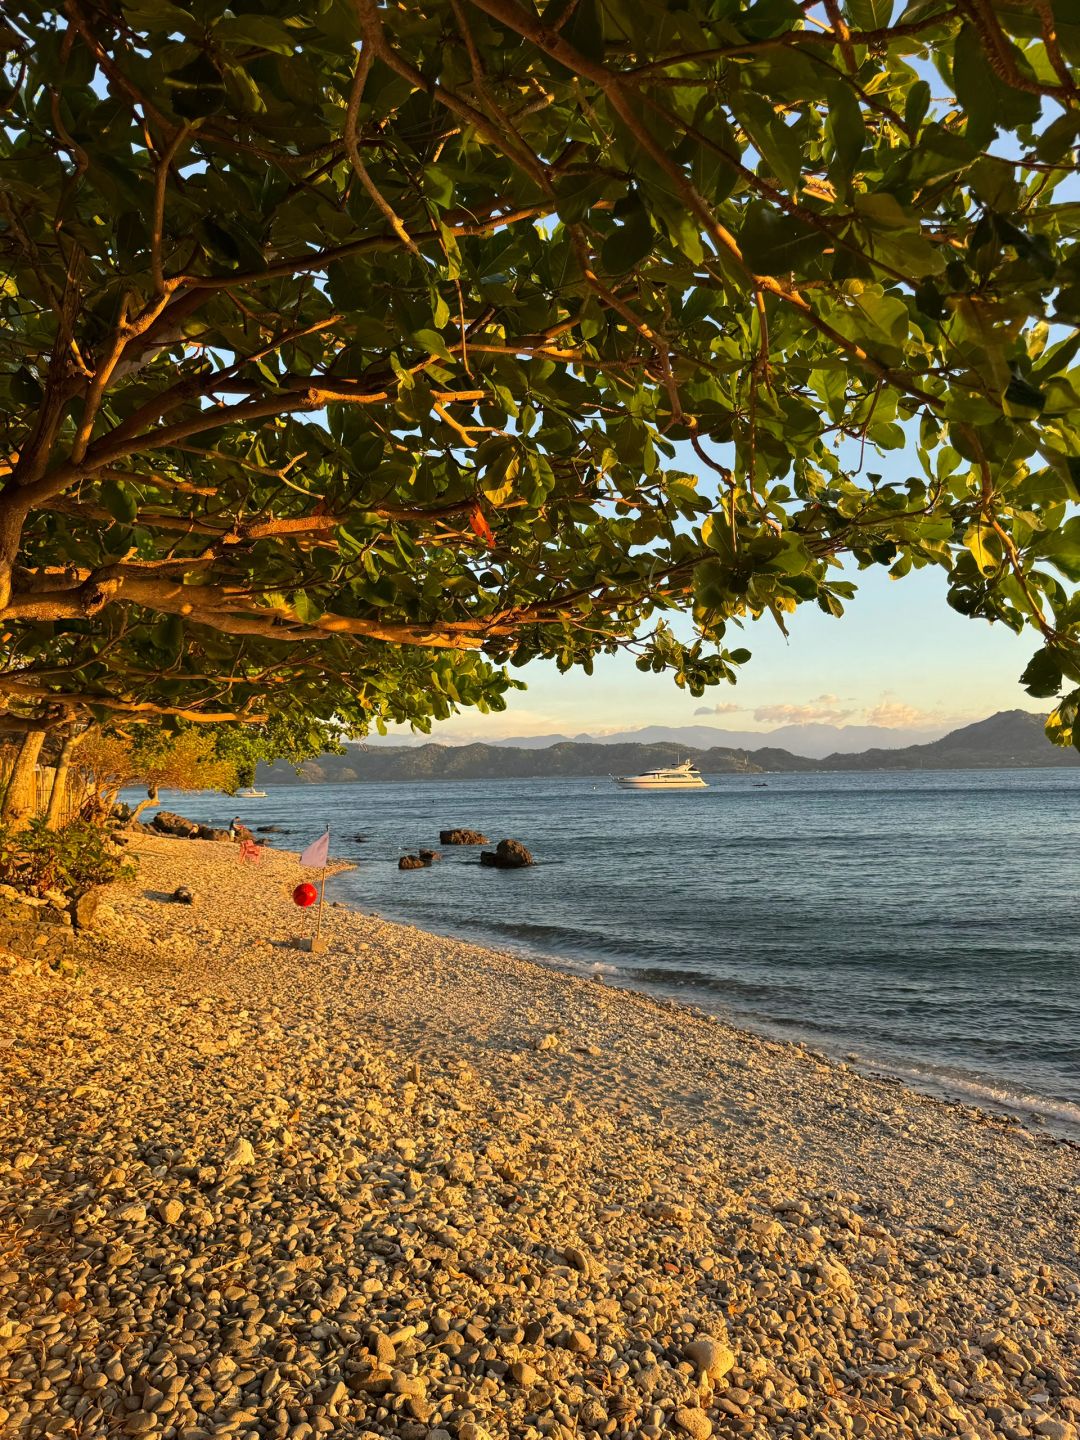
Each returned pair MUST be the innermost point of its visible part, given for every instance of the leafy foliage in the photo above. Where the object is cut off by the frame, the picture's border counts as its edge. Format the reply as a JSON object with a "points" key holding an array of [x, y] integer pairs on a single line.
{"points": [[351, 353], [72, 860], [291, 736]]}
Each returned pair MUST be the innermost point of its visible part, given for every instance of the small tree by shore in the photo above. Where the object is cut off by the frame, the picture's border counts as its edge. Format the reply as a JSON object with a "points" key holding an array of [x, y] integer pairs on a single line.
{"points": [[156, 758]]}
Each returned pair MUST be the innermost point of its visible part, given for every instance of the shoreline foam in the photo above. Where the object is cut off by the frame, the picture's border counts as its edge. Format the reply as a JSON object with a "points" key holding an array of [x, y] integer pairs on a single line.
{"points": [[415, 1188]]}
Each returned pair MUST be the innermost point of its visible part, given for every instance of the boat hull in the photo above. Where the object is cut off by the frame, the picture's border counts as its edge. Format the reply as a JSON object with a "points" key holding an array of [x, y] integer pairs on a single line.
{"points": [[630, 782]]}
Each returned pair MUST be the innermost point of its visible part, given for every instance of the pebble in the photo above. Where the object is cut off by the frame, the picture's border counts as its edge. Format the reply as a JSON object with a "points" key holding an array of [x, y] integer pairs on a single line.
{"points": [[694, 1422], [711, 1357]]}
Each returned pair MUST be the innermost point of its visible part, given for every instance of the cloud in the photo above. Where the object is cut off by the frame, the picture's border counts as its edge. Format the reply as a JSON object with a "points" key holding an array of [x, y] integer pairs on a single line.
{"points": [[895, 715], [822, 710], [728, 708]]}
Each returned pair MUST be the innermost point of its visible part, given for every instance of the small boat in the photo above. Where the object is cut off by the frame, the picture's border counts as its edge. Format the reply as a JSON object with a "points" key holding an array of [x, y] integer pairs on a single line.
{"points": [[675, 777], [251, 794]]}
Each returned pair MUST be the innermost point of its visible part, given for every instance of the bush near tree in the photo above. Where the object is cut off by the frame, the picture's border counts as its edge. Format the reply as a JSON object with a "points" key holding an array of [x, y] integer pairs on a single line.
{"points": [[350, 352], [38, 860]]}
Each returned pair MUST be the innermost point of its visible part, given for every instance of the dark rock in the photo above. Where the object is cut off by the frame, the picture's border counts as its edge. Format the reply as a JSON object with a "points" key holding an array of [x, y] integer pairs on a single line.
{"points": [[507, 855], [183, 896], [430, 856], [272, 830], [53, 915], [165, 822], [410, 862], [357, 839], [84, 911], [462, 837], [207, 832]]}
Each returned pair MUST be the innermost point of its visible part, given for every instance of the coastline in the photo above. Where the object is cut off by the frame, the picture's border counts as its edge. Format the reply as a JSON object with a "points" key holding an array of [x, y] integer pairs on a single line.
{"points": [[503, 1146], [1049, 1115]]}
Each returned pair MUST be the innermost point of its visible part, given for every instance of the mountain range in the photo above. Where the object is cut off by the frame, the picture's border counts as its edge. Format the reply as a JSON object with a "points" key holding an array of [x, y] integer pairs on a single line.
{"points": [[1009, 739], [814, 740]]}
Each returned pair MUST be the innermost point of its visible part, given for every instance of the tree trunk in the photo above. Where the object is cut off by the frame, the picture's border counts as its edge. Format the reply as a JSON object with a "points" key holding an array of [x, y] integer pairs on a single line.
{"points": [[20, 801], [58, 794], [151, 799]]}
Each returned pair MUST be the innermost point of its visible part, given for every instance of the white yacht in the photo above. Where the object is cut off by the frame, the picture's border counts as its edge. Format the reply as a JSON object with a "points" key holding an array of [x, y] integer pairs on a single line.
{"points": [[251, 794], [675, 777]]}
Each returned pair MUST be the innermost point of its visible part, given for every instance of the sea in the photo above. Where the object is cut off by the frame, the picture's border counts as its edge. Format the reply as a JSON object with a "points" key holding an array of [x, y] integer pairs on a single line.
{"points": [[924, 925]]}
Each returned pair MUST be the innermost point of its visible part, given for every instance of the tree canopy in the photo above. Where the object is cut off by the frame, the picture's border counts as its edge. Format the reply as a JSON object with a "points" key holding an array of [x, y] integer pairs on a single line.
{"points": [[352, 350]]}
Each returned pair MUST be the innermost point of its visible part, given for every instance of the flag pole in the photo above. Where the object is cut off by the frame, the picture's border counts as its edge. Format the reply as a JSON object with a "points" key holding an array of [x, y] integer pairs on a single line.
{"points": [[322, 894]]}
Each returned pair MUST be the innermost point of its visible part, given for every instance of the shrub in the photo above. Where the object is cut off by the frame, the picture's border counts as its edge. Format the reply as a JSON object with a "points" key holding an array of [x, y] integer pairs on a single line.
{"points": [[72, 860]]}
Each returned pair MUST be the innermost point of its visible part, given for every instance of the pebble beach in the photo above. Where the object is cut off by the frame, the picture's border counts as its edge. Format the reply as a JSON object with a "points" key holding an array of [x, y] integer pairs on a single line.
{"points": [[411, 1187]]}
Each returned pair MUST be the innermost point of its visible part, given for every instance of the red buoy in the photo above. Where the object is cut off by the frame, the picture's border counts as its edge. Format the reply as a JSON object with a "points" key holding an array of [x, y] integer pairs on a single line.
{"points": [[305, 894]]}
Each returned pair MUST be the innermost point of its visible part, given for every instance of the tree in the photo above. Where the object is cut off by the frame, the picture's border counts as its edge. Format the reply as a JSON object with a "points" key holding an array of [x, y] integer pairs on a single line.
{"points": [[58, 794], [20, 796], [156, 758], [352, 351]]}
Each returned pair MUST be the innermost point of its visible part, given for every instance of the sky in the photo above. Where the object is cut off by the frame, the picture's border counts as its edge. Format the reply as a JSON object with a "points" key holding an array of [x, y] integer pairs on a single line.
{"points": [[899, 657]]}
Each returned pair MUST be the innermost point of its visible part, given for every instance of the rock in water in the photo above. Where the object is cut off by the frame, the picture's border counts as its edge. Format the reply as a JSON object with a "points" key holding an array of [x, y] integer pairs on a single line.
{"points": [[183, 896], [167, 822], [410, 862], [430, 856], [462, 837], [208, 832], [507, 855], [712, 1357]]}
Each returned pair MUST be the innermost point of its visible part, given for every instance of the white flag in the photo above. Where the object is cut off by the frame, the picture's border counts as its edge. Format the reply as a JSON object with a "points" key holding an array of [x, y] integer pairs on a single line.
{"points": [[317, 853]]}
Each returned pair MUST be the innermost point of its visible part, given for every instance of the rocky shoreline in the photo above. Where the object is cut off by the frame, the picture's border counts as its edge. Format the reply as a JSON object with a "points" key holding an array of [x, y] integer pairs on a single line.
{"points": [[412, 1187]]}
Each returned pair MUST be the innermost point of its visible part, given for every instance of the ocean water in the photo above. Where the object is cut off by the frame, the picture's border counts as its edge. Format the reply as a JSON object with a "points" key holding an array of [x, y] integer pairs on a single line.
{"points": [[927, 924]]}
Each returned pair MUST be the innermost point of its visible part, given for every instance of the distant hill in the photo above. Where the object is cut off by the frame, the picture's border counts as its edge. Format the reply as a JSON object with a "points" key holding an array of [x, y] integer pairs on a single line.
{"points": [[1009, 739], [500, 762]]}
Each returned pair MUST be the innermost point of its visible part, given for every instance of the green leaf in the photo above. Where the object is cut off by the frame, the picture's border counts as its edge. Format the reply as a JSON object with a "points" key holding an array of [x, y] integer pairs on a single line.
{"points": [[585, 30], [884, 211], [261, 30], [869, 14], [119, 500], [433, 343], [774, 243], [916, 104], [774, 141], [887, 313], [626, 247], [976, 88], [846, 131], [1021, 398], [1062, 549], [1042, 677], [305, 606], [439, 186], [984, 545]]}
